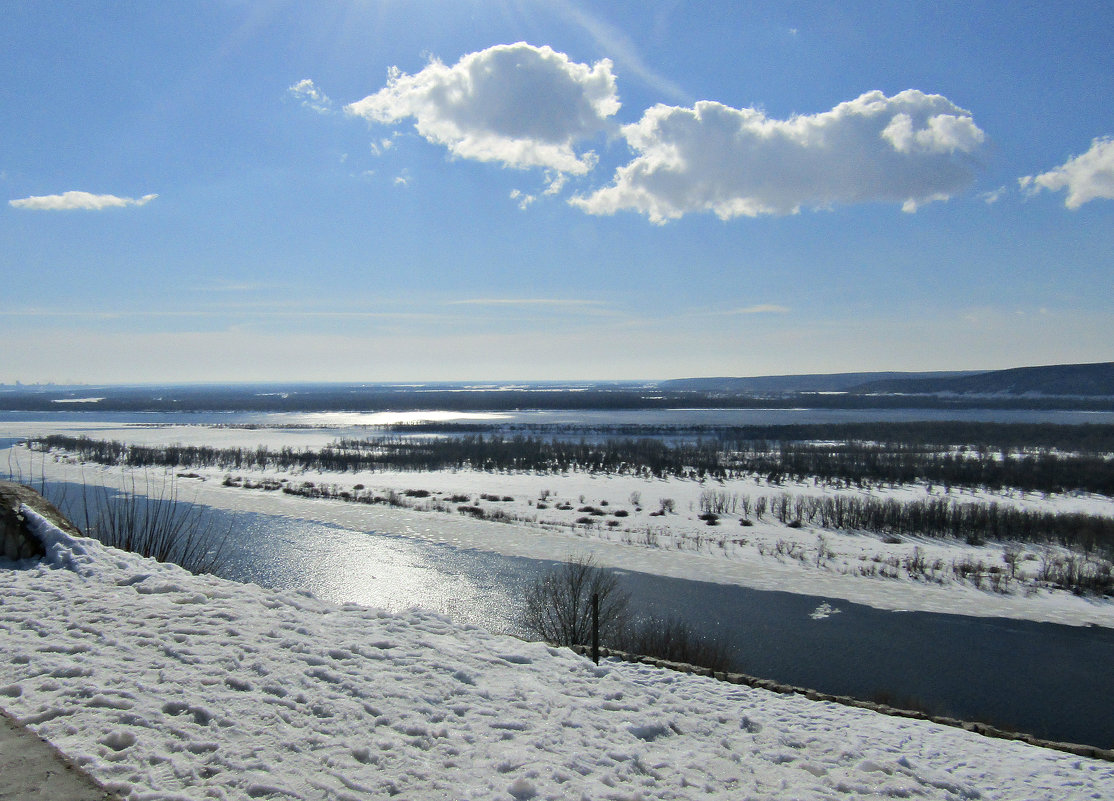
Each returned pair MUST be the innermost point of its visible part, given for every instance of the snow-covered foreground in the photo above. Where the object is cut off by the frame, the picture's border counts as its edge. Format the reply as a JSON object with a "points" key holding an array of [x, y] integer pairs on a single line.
{"points": [[167, 685]]}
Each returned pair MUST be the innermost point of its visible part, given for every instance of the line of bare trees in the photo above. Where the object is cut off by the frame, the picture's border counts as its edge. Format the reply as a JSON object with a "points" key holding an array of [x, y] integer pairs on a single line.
{"points": [[851, 462], [939, 517]]}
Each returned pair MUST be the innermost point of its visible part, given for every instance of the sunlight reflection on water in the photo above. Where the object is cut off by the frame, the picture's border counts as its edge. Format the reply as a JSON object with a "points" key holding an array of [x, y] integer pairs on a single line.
{"points": [[389, 418], [395, 573]]}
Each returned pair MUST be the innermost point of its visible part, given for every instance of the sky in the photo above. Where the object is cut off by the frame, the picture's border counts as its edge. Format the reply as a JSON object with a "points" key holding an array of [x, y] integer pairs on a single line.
{"points": [[434, 191]]}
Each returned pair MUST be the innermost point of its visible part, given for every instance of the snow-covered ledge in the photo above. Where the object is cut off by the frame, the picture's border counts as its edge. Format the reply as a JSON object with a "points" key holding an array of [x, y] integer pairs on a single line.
{"points": [[17, 541], [985, 729]]}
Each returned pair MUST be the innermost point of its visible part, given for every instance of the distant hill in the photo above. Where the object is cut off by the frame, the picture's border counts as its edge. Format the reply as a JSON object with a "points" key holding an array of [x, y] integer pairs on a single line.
{"points": [[817, 382], [1059, 379]]}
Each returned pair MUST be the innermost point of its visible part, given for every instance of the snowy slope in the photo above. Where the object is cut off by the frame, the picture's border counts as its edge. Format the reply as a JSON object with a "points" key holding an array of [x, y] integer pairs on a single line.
{"points": [[167, 685]]}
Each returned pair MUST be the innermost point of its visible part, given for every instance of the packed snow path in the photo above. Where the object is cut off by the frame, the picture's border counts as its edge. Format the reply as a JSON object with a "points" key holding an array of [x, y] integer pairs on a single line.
{"points": [[167, 685]]}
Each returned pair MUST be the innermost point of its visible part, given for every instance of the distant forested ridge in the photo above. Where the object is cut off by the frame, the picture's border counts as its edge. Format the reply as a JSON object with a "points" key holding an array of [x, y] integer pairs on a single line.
{"points": [[1060, 380], [1087, 380], [585, 397], [811, 382]]}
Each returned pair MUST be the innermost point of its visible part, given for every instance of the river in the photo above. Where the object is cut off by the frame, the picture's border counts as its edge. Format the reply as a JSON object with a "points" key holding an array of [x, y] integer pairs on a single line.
{"points": [[1043, 678]]}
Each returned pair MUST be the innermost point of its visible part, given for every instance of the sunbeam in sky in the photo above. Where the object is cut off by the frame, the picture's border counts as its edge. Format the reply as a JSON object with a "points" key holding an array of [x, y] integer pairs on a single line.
{"points": [[453, 191]]}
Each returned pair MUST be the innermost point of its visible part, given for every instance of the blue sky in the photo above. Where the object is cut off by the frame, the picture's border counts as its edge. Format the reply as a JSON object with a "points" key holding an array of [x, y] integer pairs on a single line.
{"points": [[407, 191]]}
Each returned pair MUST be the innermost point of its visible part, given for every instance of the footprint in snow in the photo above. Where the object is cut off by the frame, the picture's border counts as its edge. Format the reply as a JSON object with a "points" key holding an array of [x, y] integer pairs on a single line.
{"points": [[521, 789], [118, 740]]}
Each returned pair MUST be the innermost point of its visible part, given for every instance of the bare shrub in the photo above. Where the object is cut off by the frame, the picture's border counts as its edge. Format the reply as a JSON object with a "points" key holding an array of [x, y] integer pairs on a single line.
{"points": [[823, 551], [676, 640], [915, 563], [155, 523], [558, 605]]}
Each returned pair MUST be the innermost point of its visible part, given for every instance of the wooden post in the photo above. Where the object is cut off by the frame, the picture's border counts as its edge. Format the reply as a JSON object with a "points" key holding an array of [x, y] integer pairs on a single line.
{"points": [[596, 627]]}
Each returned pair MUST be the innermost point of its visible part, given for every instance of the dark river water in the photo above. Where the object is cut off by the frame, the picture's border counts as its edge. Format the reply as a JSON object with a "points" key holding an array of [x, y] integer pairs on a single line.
{"points": [[1043, 678]]}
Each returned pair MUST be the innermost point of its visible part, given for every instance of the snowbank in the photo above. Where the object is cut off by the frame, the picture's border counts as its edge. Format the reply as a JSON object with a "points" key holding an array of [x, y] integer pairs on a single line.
{"points": [[167, 685]]}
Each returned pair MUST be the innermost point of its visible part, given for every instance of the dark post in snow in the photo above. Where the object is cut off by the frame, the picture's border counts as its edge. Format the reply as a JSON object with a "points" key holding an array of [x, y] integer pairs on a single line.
{"points": [[596, 627]]}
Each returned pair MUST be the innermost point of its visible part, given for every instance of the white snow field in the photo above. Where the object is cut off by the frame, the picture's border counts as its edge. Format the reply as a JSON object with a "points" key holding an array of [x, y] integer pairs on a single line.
{"points": [[165, 685]]}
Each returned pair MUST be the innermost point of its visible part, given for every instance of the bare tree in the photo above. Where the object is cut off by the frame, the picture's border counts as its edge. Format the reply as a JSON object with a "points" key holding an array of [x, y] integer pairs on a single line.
{"points": [[558, 606]]}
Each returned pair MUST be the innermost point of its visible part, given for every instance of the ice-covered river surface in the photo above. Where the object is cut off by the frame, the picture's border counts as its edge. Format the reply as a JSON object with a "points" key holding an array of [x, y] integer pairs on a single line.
{"points": [[1042, 678], [579, 418]]}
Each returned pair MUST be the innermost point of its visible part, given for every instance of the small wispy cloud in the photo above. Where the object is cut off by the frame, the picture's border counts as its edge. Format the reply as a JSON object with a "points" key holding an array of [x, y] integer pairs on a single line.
{"points": [[1087, 177], [990, 198], [237, 286], [87, 201], [95, 314], [613, 41], [382, 146], [525, 302], [524, 200], [763, 308], [220, 312], [307, 93]]}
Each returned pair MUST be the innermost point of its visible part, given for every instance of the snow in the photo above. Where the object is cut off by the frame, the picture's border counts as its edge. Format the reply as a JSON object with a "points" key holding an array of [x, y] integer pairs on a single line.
{"points": [[765, 556], [165, 685]]}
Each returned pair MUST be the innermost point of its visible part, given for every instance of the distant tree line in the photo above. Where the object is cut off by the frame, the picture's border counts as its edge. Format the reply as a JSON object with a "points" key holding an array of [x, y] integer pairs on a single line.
{"points": [[1081, 438], [370, 398], [860, 463], [834, 462], [938, 518], [411, 453]]}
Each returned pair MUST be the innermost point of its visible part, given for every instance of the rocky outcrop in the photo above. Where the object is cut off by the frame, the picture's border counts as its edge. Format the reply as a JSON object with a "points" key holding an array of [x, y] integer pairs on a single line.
{"points": [[16, 541]]}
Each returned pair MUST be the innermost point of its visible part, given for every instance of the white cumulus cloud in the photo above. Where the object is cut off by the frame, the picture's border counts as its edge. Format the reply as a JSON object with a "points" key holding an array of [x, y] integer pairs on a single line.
{"points": [[78, 200], [1087, 177], [521, 105], [912, 148], [307, 93]]}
